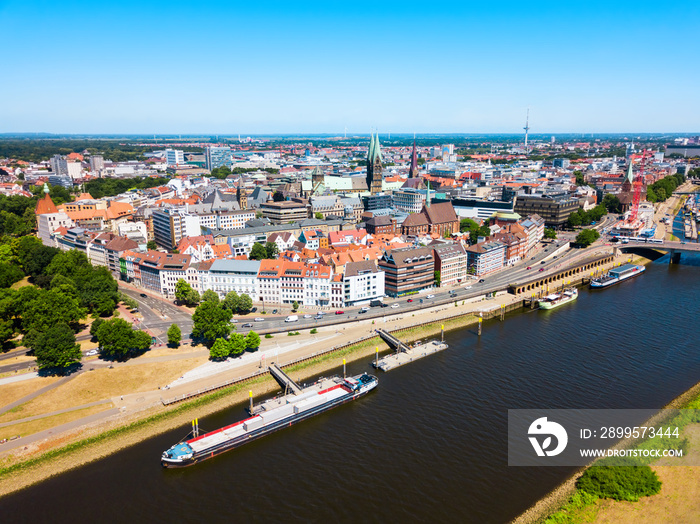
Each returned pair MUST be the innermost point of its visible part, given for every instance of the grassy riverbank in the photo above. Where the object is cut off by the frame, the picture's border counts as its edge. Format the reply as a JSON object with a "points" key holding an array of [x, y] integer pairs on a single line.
{"points": [[569, 505], [83, 447]]}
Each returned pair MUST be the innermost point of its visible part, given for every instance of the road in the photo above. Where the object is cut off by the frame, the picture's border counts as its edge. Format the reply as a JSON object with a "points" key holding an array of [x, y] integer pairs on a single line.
{"points": [[158, 314]]}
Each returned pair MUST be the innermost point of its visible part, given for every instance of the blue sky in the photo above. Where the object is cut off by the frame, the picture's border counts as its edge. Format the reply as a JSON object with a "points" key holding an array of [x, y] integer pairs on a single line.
{"points": [[286, 67]]}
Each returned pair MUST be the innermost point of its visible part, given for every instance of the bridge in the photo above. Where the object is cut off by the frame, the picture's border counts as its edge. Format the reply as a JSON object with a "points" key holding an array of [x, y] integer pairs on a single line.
{"points": [[392, 341], [674, 248], [283, 379]]}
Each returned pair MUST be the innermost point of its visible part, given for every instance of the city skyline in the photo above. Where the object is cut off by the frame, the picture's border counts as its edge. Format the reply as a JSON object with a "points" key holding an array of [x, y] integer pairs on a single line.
{"points": [[312, 68]]}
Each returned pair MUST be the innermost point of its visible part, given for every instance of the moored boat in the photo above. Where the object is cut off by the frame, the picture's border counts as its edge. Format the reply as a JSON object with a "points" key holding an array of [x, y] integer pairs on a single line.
{"points": [[558, 299], [270, 416], [617, 275]]}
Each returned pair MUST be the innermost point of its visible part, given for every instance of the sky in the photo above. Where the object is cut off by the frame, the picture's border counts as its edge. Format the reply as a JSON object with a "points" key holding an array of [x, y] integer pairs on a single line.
{"points": [[229, 67]]}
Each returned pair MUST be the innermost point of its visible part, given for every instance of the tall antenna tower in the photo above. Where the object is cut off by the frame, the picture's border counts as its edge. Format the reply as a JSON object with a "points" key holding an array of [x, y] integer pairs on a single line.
{"points": [[527, 127]]}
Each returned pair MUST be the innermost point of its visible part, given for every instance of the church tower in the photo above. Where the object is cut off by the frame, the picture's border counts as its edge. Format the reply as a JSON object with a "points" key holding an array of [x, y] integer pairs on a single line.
{"points": [[241, 195], [413, 171], [374, 165]]}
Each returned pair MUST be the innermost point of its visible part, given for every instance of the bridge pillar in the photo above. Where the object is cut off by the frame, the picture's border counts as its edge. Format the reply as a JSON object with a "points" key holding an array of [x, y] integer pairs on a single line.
{"points": [[675, 257]]}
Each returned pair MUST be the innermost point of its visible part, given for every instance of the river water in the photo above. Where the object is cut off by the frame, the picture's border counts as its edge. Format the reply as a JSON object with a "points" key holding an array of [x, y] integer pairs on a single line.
{"points": [[429, 445]]}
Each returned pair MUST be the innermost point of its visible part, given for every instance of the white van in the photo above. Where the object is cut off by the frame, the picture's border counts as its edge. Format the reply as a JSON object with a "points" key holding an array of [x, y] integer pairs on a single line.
{"points": [[291, 318]]}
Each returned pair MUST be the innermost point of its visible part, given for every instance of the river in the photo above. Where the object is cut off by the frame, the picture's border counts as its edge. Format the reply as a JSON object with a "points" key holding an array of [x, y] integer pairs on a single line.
{"points": [[430, 443]]}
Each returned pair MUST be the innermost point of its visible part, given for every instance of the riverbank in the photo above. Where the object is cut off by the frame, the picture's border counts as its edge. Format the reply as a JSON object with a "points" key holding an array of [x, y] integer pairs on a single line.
{"points": [[86, 446], [561, 499]]}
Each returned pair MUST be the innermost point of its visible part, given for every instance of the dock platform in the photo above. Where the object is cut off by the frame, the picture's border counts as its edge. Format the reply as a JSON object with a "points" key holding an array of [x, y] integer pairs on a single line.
{"points": [[409, 355]]}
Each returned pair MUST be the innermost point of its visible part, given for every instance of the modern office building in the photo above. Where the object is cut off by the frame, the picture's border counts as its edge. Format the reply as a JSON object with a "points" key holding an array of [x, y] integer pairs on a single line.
{"points": [[170, 225], [555, 210], [408, 270], [217, 156], [485, 257], [284, 212], [174, 157]]}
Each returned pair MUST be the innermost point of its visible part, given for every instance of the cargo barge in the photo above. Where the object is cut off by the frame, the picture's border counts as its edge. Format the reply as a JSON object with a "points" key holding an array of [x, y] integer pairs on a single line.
{"points": [[558, 299], [269, 416], [617, 275]]}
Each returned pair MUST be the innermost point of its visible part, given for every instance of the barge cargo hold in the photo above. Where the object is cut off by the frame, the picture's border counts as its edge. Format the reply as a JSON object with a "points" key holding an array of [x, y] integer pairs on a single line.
{"points": [[270, 416], [617, 275]]}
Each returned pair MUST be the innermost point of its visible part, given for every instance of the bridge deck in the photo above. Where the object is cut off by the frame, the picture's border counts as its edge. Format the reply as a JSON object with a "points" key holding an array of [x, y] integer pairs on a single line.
{"points": [[392, 341], [283, 379]]}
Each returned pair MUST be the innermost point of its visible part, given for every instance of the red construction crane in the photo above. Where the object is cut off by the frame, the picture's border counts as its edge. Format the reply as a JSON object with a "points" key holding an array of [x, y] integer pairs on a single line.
{"points": [[638, 185]]}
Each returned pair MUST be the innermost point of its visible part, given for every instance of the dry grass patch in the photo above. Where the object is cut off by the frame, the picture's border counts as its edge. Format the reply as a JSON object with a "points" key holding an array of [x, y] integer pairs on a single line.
{"points": [[21, 283], [35, 426], [103, 384], [168, 352], [679, 499], [10, 393]]}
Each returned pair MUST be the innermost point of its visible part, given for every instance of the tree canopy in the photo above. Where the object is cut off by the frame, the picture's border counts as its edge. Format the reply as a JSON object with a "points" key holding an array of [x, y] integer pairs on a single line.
{"points": [[185, 294], [174, 335], [211, 321], [118, 339], [56, 348], [586, 237]]}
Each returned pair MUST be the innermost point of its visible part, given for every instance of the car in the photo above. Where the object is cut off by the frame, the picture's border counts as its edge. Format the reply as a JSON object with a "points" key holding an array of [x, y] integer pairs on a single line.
{"points": [[555, 256], [482, 280], [253, 310], [91, 353], [318, 317], [543, 262], [385, 305], [364, 310], [320, 313], [247, 325], [135, 310], [467, 287], [308, 316], [541, 269], [394, 306], [529, 267], [410, 300], [339, 312], [234, 321], [259, 319], [430, 296], [274, 311], [144, 295]]}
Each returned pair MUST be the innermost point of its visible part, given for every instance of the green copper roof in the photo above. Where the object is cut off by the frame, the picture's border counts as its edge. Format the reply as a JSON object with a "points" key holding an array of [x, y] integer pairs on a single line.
{"points": [[370, 152], [377, 149]]}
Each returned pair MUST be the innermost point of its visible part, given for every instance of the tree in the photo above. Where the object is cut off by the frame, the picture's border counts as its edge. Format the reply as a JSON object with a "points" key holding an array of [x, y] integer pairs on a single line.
{"points": [[257, 252], [436, 277], [245, 303], [467, 224], [50, 308], [151, 245], [586, 237], [318, 216], [56, 347], [95, 326], [220, 350], [185, 294], [174, 335], [612, 203], [210, 321], [295, 305], [231, 301], [9, 274], [574, 219], [252, 340], [210, 296], [118, 340], [237, 344], [550, 233], [271, 250], [277, 196]]}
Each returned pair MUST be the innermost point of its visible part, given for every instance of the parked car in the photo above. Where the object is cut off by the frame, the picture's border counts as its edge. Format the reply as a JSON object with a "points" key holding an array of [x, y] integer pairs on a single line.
{"points": [[410, 300], [385, 305], [259, 319], [253, 310], [248, 325], [541, 269], [91, 353], [320, 313], [339, 312], [274, 311], [482, 280], [144, 295], [394, 305], [430, 296]]}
